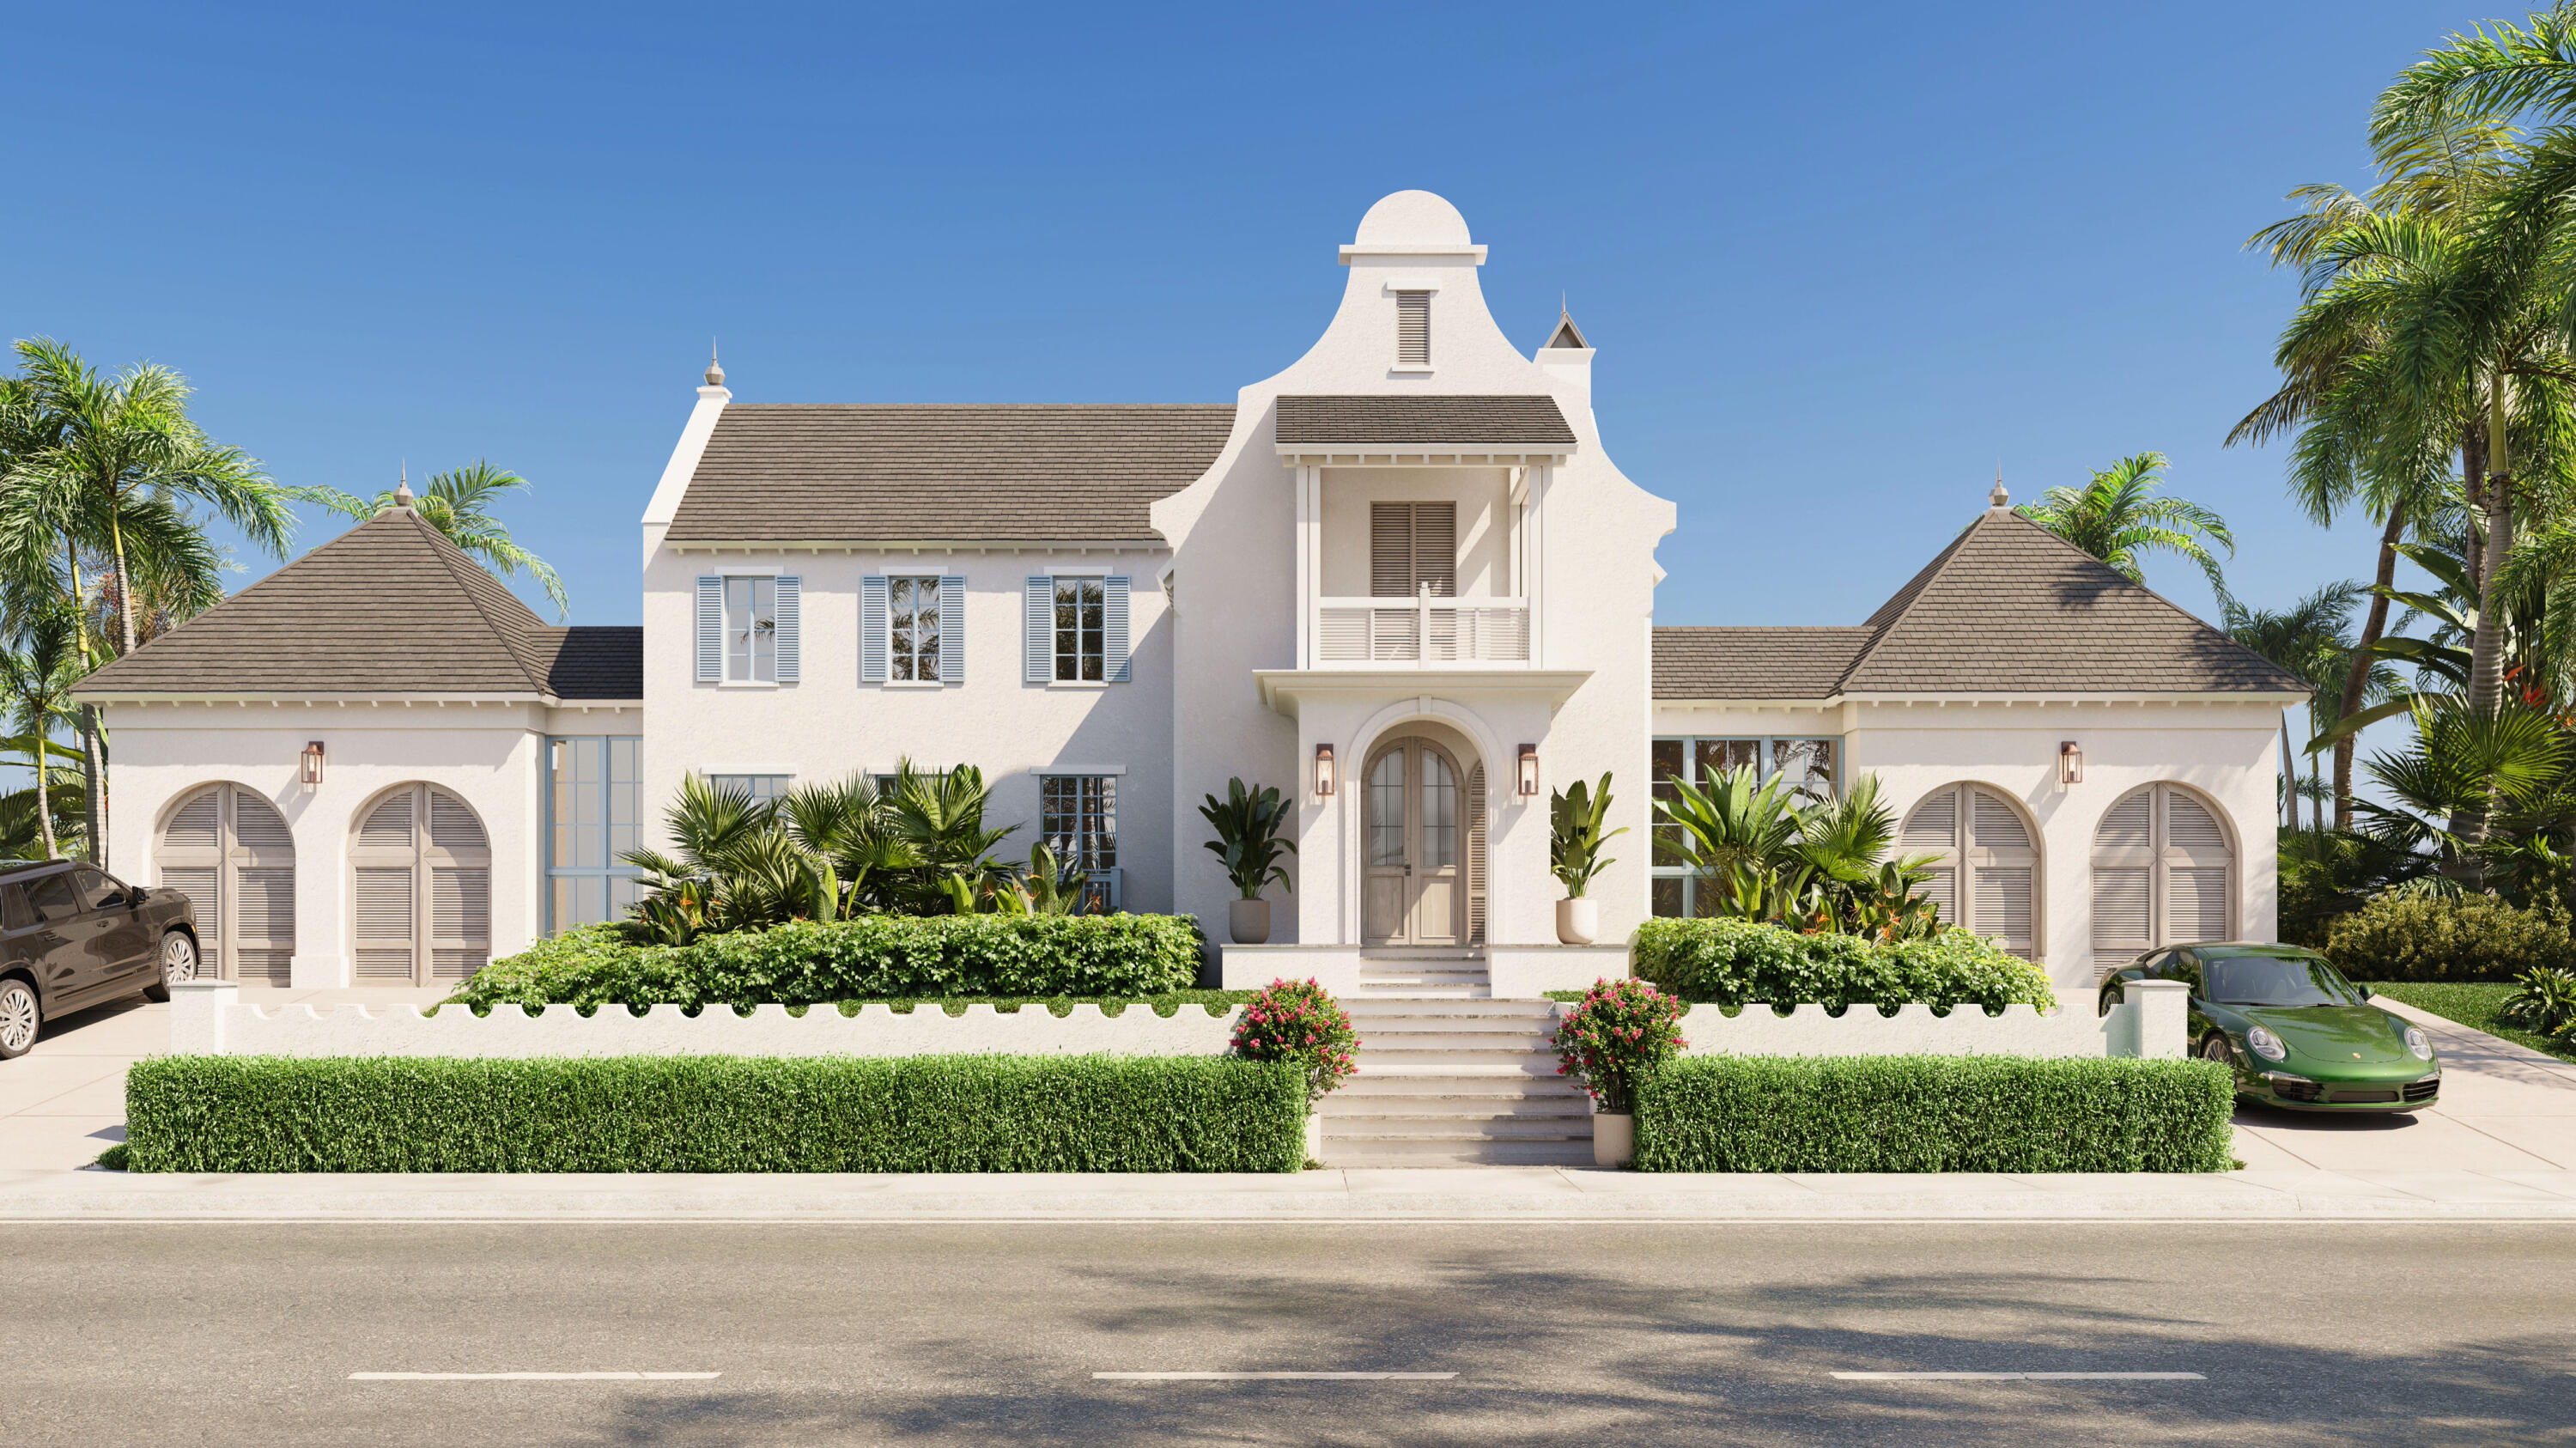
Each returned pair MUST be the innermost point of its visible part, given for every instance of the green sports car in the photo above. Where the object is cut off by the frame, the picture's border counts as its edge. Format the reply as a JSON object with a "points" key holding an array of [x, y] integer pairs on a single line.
{"points": [[2292, 1029]]}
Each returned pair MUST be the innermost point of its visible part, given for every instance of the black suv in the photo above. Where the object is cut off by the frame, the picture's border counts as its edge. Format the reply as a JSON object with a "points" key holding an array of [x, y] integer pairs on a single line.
{"points": [[72, 935]]}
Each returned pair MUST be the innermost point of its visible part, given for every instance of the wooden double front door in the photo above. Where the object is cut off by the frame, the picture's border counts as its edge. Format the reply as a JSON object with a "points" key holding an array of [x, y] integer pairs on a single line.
{"points": [[1414, 846]]}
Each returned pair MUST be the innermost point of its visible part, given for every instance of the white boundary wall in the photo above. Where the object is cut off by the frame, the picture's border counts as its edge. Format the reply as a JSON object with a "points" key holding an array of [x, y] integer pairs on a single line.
{"points": [[208, 1018], [2152, 1021]]}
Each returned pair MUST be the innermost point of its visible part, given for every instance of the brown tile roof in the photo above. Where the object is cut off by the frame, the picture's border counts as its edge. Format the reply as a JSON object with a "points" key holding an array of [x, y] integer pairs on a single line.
{"points": [[2007, 608], [780, 472], [1402, 421], [389, 607]]}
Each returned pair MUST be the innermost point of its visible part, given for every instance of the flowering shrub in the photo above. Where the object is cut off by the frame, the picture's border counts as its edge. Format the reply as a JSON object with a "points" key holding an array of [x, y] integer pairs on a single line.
{"points": [[1299, 1021], [1618, 1032]]}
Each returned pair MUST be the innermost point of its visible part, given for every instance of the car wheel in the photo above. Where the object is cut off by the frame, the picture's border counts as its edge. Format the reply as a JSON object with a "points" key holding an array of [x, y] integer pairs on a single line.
{"points": [[178, 963], [20, 1018], [2215, 1050]]}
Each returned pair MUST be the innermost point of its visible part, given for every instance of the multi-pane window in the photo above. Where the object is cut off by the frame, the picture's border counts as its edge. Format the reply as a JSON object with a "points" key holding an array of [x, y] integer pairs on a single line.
{"points": [[751, 630], [1078, 818], [912, 628], [1081, 629], [594, 800], [761, 787], [1807, 764]]}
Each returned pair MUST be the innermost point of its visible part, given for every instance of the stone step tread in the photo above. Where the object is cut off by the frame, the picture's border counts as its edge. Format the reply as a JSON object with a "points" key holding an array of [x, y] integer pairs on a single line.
{"points": [[1462, 1131], [1573, 1116], [1433, 1154]]}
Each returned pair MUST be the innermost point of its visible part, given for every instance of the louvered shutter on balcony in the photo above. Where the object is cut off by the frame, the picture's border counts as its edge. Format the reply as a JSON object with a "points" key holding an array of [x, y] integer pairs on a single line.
{"points": [[952, 629], [1413, 329], [1037, 628], [1411, 544], [710, 630], [873, 625], [789, 631], [1113, 629]]}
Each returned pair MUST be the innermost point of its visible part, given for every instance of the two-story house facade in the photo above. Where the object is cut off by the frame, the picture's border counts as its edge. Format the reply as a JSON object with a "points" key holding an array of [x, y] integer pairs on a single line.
{"points": [[1401, 580]]}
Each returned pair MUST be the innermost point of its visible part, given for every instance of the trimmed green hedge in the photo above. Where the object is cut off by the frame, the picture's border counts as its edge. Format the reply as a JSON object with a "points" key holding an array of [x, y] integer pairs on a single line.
{"points": [[1934, 1114], [715, 1114], [2456, 937], [1735, 962], [871, 957]]}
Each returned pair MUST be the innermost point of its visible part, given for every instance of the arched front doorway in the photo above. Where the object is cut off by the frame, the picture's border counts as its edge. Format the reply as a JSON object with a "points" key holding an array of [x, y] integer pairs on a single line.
{"points": [[1419, 845], [421, 870], [229, 851]]}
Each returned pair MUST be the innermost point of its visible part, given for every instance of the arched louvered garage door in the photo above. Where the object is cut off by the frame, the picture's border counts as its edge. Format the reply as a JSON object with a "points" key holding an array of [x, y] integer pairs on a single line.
{"points": [[1985, 862], [229, 851], [2163, 874], [421, 871]]}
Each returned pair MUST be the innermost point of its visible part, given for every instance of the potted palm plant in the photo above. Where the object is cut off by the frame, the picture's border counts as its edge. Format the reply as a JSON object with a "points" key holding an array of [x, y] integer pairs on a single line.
{"points": [[1248, 824], [1575, 817]]}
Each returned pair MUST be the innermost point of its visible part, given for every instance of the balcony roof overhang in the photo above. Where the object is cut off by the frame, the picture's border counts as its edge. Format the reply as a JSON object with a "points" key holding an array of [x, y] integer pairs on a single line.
{"points": [[1422, 455], [1284, 690]]}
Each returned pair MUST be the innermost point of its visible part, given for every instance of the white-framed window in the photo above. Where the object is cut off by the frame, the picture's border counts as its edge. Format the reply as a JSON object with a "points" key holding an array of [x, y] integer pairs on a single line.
{"points": [[1809, 764], [912, 629], [1078, 819], [751, 630], [761, 787], [594, 804], [1077, 629]]}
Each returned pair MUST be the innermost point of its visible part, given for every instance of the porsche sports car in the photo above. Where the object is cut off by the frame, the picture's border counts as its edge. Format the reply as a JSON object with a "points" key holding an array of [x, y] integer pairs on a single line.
{"points": [[2292, 1029]]}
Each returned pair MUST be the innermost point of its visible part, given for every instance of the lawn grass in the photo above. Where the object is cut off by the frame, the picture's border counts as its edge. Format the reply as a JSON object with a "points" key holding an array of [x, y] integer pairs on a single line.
{"points": [[2472, 1004]]}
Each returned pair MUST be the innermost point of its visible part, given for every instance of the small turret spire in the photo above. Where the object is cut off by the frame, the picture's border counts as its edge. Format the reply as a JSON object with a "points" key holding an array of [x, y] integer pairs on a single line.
{"points": [[1999, 501], [403, 495], [715, 373]]}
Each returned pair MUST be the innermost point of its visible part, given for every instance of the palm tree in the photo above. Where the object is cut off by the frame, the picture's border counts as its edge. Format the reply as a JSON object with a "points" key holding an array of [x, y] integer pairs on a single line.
{"points": [[459, 504], [2118, 516], [36, 691], [2310, 640]]}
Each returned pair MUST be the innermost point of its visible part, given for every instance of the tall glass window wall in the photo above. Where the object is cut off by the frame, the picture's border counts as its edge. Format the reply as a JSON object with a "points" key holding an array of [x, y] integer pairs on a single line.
{"points": [[1807, 764], [594, 798]]}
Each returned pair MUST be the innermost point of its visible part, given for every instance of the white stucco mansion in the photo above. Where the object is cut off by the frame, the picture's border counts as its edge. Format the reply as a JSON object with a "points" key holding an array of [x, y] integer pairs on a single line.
{"points": [[1401, 579]]}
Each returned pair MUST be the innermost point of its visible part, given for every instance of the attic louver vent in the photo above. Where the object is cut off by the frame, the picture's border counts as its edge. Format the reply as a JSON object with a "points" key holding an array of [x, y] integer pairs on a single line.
{"points": [[1412, 329]]}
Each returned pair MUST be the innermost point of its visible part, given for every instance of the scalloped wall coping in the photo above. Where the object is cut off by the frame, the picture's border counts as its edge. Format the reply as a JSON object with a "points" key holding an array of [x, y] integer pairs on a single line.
{"points": [[2152, 1022]]}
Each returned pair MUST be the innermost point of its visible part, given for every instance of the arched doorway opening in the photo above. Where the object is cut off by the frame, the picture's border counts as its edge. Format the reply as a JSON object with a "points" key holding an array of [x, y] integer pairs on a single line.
{"points": [[1422, 841], [230, 852], [421, 877]]}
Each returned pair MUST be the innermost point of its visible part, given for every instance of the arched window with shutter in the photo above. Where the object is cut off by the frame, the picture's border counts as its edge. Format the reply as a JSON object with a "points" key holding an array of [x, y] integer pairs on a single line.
{"points": [[1985, 862], [2164, 873], [421, 889], [229, 851]]}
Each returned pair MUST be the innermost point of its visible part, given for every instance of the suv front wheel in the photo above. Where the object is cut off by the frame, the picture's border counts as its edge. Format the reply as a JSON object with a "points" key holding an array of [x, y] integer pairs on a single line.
{"points": [[20, 1018], [178, 963]]}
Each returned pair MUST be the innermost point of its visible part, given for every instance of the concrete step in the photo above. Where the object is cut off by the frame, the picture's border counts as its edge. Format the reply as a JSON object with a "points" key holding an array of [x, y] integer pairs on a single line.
{"points": [[1444, 1008], [1374, 1132], [1402, 1115], [1511, 1057], [1456, 1153], [1496, 1086]]}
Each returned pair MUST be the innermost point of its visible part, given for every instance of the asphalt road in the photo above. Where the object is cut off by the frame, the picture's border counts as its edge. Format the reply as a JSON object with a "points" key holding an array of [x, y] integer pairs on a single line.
{"points": [[2305, 1334]]}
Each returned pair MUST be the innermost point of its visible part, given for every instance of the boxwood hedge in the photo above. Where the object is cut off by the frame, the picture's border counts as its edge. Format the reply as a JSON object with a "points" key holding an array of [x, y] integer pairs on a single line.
{"points": [[872, 957], [2455, 937], [1733, 962], [1934, 1114], [715, 1114]]}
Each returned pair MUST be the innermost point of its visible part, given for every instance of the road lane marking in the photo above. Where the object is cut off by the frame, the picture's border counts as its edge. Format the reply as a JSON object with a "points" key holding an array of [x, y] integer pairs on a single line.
{"points": [[528, 1377], [1276, 1377], [2022, 1377]]}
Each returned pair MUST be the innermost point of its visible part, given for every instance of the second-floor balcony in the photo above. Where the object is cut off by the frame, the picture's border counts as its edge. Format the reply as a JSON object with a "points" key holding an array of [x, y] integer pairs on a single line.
{"points": [[1424, 629]]}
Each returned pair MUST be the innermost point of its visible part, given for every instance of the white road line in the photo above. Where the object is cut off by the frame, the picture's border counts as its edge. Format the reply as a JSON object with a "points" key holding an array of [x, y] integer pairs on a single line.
{"points": [[528, 1377], [1276, 1377], [2022, 1377]]}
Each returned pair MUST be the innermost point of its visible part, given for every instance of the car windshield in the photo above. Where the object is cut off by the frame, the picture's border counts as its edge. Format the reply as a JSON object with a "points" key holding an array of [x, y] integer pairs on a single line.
{"points": [[2273, 980]]}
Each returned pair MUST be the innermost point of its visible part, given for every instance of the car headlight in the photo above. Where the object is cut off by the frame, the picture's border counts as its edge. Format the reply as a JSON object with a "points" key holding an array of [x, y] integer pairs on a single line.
{"points": [[2419, 1043], [2264, 1044]]}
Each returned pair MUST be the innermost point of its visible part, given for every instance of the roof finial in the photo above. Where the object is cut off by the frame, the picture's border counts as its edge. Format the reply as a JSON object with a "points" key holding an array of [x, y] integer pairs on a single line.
{"points": [[1999, 501], [715, 374], [403, 496]]}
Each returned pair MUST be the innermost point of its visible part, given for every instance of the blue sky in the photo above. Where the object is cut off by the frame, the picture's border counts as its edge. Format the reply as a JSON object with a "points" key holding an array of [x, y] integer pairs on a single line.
{"points": [[1840, 262]]}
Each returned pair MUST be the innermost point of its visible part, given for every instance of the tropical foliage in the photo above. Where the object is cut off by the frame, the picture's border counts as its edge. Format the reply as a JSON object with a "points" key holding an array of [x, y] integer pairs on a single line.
{"points": [[459, 504], [1769, 851], [1733, 963], [1250, 824], [1575, 837], [2119, 516]]}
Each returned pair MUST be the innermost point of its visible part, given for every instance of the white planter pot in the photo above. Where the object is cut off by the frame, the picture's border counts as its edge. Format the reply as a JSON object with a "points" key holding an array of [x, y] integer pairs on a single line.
{"points": [[1314, 1135], [1614, 1138], [1248, 921], [1578, 920]]}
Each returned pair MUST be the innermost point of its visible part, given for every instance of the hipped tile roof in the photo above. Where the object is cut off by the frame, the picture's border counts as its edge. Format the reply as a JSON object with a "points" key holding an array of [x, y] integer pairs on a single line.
{"points": [[796, 472], [389, 607], [2007, 608], [1408, 419]]}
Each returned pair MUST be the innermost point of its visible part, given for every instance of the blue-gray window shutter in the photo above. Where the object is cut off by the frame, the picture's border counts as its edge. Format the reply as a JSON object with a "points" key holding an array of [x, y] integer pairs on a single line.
{"points": [[952, 629], [873, 616], [790, 634], [1113, 630], [1039, 621], [710, 630]]}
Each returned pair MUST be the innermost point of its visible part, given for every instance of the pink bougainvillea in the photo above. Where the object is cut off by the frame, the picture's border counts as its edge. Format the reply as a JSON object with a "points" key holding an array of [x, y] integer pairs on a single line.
{"points": [[1618, 1032], [1298, 1020]]}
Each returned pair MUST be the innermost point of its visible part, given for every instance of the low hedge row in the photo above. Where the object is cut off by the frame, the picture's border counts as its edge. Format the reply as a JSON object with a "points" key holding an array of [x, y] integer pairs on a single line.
{"points": [[2455, 937], [715, 1114], [869, 957], [1934, 1114], [1734, 962]]}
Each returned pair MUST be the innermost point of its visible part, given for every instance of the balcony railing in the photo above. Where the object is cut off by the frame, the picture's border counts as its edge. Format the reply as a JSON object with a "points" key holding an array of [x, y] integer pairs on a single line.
{"points": [[1424, 630]]}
